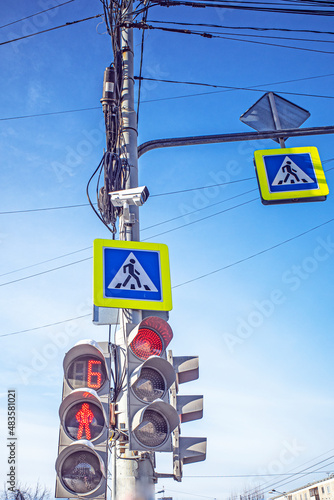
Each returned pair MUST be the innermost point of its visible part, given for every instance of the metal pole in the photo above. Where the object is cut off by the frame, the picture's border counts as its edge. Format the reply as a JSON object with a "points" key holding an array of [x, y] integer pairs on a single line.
{"points": [[134, 472], [243, 136]]}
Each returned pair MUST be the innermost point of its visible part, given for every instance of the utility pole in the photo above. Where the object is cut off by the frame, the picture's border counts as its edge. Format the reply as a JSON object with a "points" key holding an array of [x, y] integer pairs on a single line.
{"points": [[133, 472]]}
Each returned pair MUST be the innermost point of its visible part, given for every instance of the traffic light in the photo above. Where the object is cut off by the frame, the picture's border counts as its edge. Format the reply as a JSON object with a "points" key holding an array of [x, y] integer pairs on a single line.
{"points": [[81, 464], [186, 450], [150, 416]]}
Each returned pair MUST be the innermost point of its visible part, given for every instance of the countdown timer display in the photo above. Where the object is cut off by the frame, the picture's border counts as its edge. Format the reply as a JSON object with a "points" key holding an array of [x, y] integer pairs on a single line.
{"points": [[86, 371]]}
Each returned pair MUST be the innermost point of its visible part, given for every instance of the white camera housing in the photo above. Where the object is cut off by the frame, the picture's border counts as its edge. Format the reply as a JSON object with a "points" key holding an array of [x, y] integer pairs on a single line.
{"points": [[135, 196]]}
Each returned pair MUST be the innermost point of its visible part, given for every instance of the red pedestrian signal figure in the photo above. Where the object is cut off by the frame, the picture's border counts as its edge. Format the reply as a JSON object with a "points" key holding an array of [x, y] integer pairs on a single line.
{"points": [[85, 417]]}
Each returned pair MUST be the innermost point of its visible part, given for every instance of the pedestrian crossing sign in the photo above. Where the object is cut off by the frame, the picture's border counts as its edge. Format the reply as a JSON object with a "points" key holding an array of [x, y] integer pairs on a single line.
{"points": [[131, 275], [290, 175]]}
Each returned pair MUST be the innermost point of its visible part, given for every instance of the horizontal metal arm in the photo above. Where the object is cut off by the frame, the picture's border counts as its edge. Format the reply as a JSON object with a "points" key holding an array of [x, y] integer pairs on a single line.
{"points": [[250, 136]]}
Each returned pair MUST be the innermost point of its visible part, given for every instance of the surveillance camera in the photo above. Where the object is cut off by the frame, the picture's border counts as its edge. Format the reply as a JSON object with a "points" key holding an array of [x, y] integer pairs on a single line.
{"points": [[135, 196]]}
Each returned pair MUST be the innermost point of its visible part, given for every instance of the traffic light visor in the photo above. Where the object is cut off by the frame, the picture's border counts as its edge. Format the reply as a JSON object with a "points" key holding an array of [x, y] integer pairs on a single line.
{"points": [[150, 337], [152, 425]]}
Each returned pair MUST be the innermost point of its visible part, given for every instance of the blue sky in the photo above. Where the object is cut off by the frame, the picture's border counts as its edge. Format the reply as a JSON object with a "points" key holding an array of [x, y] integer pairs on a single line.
{"points": [[262, 327]]}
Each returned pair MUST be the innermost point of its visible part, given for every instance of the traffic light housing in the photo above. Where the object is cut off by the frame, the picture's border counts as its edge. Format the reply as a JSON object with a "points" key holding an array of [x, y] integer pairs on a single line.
{"points": [[186, 450], [81, 464], [151, 419]]}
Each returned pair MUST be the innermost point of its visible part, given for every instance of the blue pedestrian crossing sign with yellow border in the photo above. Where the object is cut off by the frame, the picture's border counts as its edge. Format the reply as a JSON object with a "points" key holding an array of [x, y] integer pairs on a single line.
{"points": [[290, 175], [131, 275]]}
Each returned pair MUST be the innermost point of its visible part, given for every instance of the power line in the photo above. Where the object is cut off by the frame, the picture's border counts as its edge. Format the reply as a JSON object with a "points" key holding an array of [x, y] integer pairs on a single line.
{"points": [[262, 475], [151, 196], [221, 5], [51, 113], [201, 187], [44, 326], [43, 209], [212, 35], [200, 220], [154, 225], [242, 27], [198, 210], [50, 29], [229, 87], [46, 261], [192, 280], [179, 97], [143, 229], [300, 473], [253, 255], [36, 14], [45, 272], [313, 40]]}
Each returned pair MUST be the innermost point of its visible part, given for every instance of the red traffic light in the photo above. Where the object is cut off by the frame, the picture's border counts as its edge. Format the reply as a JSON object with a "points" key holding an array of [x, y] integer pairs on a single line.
{"points": [[150, 337]]}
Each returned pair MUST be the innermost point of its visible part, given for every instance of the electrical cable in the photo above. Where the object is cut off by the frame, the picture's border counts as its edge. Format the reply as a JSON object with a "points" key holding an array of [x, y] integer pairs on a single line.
{"points": [[178, 97], [205, 25], [44, 209], [44, 326], [144, 19], [51, 113], [90, 202], [154, 225], [215, 36], [45, 272], [197, 210], [253, 255], [200, 220], [36, 14], [71, 23], [45, 261], [201, 187], [228, 87], [221, 5], [200, 277]]}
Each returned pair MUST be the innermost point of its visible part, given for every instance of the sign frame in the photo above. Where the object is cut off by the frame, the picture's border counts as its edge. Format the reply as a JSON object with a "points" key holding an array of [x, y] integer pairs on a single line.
{"points": [[163, 303], [271, 196]]}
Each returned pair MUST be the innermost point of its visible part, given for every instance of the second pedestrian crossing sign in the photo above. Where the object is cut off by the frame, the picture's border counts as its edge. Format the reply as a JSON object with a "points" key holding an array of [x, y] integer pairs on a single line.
{"points": [[132, 275], [290, 175]]}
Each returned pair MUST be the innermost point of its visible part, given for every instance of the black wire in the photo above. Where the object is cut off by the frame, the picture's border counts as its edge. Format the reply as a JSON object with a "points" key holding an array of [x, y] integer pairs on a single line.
{"points": [[44, 209], [90, 202], [254, 255], [172, 3], [144, 18], [313, 40], [198, 210], [44, 326], [47, 271], [200, 277], [228, 87], [203, 218], [201, 187], [242, 27], [50, 29], [189, 95], [272, 485], [51, 113], [146, 228], [36, 14], [45, 261], [208, 35]]}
